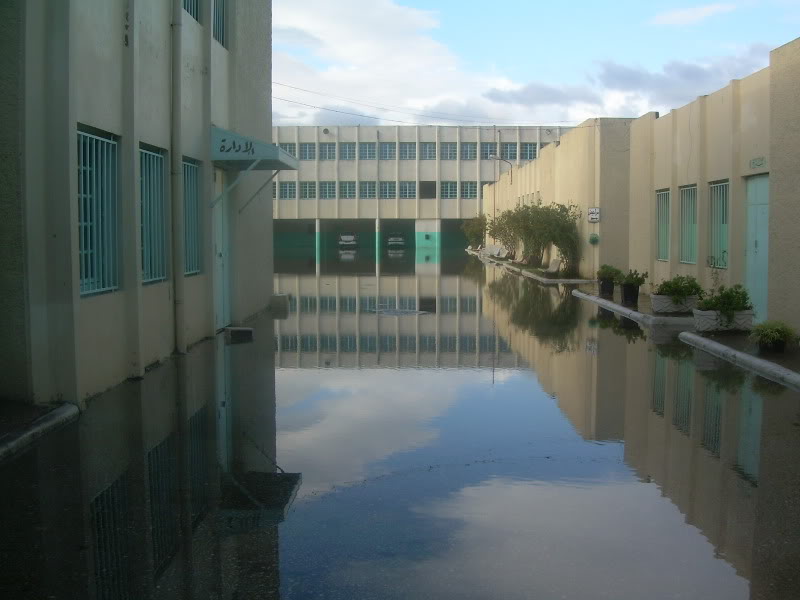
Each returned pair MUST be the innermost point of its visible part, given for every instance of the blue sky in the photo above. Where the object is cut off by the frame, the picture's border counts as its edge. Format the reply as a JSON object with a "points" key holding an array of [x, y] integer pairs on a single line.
{"points": [[516, 60]]}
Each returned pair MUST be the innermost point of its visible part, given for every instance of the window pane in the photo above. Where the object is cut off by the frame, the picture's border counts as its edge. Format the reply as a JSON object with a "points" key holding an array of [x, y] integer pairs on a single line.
{"points": [[327, 151], [388, 189], [347, 151], [469, 189], [308, 189], [347, 189], [449, 189], [508, 150], [408, 150], [427, 150], [662, 224], [366, 150], [288, 190], [388, 150], [689, 225], [488, 149], [327, 189], [528, 150], [408, 189], [289, 147], [449, 150], [367, 189], [308, 151], [154, 216], [469, 150]]}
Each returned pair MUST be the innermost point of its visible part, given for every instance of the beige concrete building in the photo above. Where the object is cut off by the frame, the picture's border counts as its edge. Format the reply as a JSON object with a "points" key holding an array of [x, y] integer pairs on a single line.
{"points": [[129, 234], [587, 168]]}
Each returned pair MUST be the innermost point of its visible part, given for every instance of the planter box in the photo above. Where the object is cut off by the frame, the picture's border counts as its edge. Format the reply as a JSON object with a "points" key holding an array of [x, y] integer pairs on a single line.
{"points": [[664, 304], [712, 320]]}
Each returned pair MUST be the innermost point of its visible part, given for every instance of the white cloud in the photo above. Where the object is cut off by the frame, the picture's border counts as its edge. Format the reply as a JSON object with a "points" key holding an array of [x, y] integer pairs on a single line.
{"points": [[691, 16]]}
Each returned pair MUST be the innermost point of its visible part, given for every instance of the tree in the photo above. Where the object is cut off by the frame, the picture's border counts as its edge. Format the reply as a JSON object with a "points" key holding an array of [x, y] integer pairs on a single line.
{"points": [[475, 230]]}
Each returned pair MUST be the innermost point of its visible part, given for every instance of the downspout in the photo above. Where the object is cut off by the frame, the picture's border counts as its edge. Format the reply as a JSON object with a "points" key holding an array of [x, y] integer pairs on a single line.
{"points": [[176, 180]]}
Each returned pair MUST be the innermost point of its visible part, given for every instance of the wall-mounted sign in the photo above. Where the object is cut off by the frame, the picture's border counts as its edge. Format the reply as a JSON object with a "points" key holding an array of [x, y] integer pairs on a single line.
{"points": [[594, 214], [758, 162]]}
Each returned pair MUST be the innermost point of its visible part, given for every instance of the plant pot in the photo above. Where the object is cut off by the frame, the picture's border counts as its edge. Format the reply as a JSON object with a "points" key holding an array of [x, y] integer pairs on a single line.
{"points": [[712, 320], [607, 288], [630, 294], [664, 304], [776, 347]]}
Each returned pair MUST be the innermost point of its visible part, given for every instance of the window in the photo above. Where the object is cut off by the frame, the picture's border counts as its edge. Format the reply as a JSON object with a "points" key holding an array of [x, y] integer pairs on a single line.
{"points": [[388, 343], [327, 343], [347, 189], [408, 151], [308, 151], [483, 183], [193, 8], [659, 385], [154, 216], [508, 150], [368, 343], [191, 218], [427, 189], [289, 343], [469, 150], [287, 190], [467, 344], [427, 343], [366, 150], [291, 148], [347, 343], [448, 150], [292, 304], [308, 304], [387, 303], [347, 304], [527, 150], [469, 304], [718, 219], [388, 189], [662, 224], [327, 304], [327, 189], [487, 343], [689, 224], [327, 151], [388, 150], [502, 345], [219, 22], [408, 189], [469, 189], [109, 515], [308, 343], [408, 303], [427, 150], [162, 474], [368, 303], [274, 190], [308, 189], [97, 214], [367, 189], [347, 150], [448, 304], [682, 406], [408, 343], [488, 149], [448, 343], [449, 189]]}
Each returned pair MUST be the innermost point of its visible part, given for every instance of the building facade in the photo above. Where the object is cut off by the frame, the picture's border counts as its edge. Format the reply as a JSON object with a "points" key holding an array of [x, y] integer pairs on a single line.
{"points": [[129, 236]]}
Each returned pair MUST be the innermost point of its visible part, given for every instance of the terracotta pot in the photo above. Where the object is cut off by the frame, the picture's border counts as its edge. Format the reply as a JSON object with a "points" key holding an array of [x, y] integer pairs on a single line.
{"points": [[664, 304], [712, 320]]}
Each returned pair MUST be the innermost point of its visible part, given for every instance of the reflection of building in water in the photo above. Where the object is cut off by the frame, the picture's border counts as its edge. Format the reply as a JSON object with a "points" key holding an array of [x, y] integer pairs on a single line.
{"points": [[388, 321], [137, 485]]}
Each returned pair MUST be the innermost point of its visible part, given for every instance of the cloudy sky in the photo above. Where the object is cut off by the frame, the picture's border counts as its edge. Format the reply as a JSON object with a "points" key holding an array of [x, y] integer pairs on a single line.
{"points": [[519, 61]]}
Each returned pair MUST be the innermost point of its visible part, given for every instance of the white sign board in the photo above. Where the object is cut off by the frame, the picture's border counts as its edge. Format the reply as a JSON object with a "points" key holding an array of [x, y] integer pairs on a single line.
{"points": [[594, 214]]}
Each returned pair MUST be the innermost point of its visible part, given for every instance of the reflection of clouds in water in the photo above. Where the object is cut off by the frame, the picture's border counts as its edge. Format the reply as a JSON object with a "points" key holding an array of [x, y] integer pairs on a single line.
{"points": [[539, 540], [350, 418]]}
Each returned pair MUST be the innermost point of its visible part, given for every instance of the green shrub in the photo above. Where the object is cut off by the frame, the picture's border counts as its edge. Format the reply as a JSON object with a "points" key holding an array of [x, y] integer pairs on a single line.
{"points": [[475, 230], [634, 278], [770, 332], [679, 288], [727, 301], [609, 272]]}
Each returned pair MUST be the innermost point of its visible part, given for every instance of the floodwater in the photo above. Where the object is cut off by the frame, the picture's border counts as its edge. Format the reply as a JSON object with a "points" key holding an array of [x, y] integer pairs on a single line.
{"points": [[434, 431]]}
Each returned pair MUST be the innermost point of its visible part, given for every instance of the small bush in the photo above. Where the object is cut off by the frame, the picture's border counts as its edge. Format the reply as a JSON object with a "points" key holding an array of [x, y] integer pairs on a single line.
{"points": [[679, 288], [770, 332], [634, 278], [727, 301], [609, 272]]}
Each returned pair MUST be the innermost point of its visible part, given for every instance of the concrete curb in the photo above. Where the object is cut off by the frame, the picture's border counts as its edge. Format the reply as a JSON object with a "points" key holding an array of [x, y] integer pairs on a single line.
{"points": [[526, 273], [635, 315], [15, 444], [765, 368]]}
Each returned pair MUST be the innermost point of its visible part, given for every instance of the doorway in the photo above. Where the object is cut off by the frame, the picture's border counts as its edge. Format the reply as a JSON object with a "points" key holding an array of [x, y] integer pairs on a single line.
{"points": [[757, 244]]}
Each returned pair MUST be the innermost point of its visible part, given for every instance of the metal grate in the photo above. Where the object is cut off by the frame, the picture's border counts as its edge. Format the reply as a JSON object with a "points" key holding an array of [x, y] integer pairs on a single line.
{"points": [[220, 32], [109, 515], [97, 214], [193, 8], [718, 220], [163, 479], [308, 343], [689, 225], [712, 418], [154, 215], [408, 150], [198, 463], [682, 415], [191, 217], [659, 385], [448, 150], [488, 149], [662, 224], [469, 150]]}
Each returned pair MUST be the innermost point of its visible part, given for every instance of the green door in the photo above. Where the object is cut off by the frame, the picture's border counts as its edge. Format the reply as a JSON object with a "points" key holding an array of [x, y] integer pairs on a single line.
{"points": [[757, 248]]}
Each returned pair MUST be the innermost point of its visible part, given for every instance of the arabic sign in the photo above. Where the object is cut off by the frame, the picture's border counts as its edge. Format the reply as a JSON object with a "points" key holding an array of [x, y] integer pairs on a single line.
{"points": [[594, 214], [233, 150]]}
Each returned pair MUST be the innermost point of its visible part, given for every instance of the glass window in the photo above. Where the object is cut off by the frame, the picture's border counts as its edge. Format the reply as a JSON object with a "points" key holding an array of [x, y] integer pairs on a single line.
{"points": [[327, 151], [448, 304], [689, 225], [387, 303], [287, 190], [448, 189], [408, 303], [469, 304], [469, 150], [662, 224], [487, 343], [367, 189], [388, 150], [327, 304], [366, 150], [449, 150], [388, 343], [368, 343], [154, 216], [448, 343], [528, 150], [347, 189], [408, 343], [502, 345], [488, 149], [347, 343], [467, 343], [327, 343], [347, 304], [308, 343], [193, 233], [469, 189], [368, 303], [427, 343], [292, 304], [327, 189], [718, 219], [308, 304], [408, 189], [289, 343], [347, 150], [308, 189], [308, 151], [388, 189], [508, 150], [427, 150], [408, 151], [289, 147]]}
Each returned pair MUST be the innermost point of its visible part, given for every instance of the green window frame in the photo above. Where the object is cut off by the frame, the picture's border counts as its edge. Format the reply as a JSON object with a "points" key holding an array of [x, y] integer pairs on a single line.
{"points": [[427, 150], [327, 151], [689, 225], [347, 150], [718, 221], [308, 190], [367, 151], [448, 150], [662, 224], [448, 189], [287, 190], [98, 214], [327, 190], [469, 150], [388, 189], [488, 149], [367, 189], [408, 189], [191, 218], [408, 151], [153, 203], [347, 189], [469, 189], [388, 150]]}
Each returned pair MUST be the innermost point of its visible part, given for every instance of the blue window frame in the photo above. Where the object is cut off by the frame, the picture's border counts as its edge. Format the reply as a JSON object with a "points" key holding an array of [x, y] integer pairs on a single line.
{"points": [[427, 150], [327, 151], [528, 150], [289, 147], [308, 151], [287, 190], [448, 150], [193, 8], [191, 218], [469, 150], [508, 150], [408, 150], [154, 216], [388, 189], [488, 149]]}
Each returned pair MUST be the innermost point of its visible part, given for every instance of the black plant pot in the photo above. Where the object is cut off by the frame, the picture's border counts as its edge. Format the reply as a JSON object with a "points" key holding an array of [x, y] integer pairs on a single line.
{"points": [[630, 294], [607, 288], [776, 347]]}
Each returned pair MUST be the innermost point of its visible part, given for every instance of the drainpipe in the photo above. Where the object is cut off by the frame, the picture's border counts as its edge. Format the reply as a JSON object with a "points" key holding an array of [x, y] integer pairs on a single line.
{"points": [[176, 180]]}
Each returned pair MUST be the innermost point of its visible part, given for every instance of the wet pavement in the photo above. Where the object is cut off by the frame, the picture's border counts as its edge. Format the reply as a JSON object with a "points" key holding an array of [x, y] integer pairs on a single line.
{"points": [[453, 432]]}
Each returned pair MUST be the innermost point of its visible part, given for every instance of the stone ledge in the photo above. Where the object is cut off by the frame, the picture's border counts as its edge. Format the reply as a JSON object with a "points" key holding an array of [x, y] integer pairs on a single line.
{"points": [[16, 443], [525, 273], [634, 315]]}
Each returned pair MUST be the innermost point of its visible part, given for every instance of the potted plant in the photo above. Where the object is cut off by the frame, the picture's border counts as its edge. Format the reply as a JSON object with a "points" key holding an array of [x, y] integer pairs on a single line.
{"points": [[630, 287], [679, 294], [607, 275], [725, 309], [772, 336]]}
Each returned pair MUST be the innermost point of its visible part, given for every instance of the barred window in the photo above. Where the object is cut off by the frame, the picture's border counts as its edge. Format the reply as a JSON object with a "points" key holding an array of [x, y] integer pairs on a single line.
{"points": [[448, 150], [388, 189], [388, 150], [367, 189], [327, 151], [427, 150], [718, 220], [469, 189], [287, 190], [308, 151], [662, 224], [347, 189], [508, 150], [408, 150], [528, 150], [689, 225], [448, 189], [154, 216], [308, 189], [488, 149], [289, 147], [347, 150], [469, 150], [408, 189], [327, 189], [366, 150], [191, 218]]}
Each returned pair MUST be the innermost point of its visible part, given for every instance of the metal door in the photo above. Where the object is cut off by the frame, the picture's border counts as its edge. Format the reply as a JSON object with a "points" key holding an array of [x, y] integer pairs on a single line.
{"points": [[757, 247], [222, 310]]}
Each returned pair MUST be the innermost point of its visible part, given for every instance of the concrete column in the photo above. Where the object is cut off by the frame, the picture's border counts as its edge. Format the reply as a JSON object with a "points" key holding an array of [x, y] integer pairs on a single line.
{"points": [[317, 246], [377, 247]]}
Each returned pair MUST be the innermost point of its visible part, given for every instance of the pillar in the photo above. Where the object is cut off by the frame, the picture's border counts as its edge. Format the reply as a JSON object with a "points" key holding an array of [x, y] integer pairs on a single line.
{"points": [[377, 247], [428, 233], [317, 246]]}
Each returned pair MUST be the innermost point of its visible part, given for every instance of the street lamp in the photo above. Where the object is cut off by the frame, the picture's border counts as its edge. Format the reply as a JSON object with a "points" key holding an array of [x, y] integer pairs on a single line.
{"points": [[494, 190]]}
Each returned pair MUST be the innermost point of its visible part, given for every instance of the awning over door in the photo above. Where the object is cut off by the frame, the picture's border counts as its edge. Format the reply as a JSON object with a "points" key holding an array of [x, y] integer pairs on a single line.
{"points": [[233, 151]]}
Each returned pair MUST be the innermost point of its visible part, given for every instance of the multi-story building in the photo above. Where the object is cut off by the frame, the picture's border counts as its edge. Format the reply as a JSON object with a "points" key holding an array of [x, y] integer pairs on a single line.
{"points": [[129, 220]]}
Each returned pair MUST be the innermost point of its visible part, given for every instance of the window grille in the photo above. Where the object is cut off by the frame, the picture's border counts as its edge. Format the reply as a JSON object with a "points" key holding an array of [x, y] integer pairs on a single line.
{"points": [[366, 150], [109, 522], [388, 150], [469, 189], [163, 478], [191, 218], [448, 343], [448, 189], [469, 304], [308, 151], [448, 150], [198, 463], [682, 415], [368, 303], [508, 150], [662, 224], [308, 304], [427, 343], [347, 189], [308, 189], [347, 304], [488, 149], [408, 150], [289, 147], [347, 150], [689, 225], [712, 418], [154, 216], [659, 385], [308, 343], [487, 343], [367, 189], [528, 150], [327, 343], [193, 8], [327, 151], [408, 343], [449, 304], [388, 189], [220, 32], [327, 304], [327, 190], [467, 344], [408, 303], [388, 343], [469, 150], [718, 220], [427, 150], [387, 303], [408, 189], [347, 343], [287, 190], [98, 243]]}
